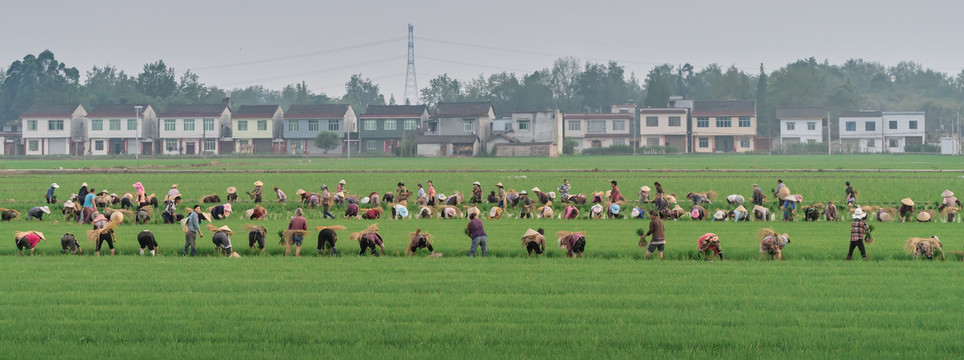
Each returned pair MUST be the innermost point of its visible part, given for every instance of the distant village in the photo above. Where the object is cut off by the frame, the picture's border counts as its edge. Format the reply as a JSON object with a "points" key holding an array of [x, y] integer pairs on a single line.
{"points": [[464, 129]]}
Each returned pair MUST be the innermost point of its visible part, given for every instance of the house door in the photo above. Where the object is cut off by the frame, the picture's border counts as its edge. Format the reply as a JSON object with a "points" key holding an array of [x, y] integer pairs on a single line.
{"points": [[189, 148], [117, 146], [724, 144], [596, 143]]}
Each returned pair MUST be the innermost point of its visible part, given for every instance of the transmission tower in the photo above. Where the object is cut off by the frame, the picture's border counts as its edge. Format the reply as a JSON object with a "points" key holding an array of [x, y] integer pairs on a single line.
{"points": [[411, 86]]}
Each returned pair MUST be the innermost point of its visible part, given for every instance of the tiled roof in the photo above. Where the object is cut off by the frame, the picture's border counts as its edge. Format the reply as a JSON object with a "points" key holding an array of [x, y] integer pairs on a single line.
{"points": [[394, 111], [463, 109], [206, 110], [858, 114], [446, 139], [724, 108], [125, 110], [805, 113], [326, 111], [598, 116], [60, 110], [255, 112]]}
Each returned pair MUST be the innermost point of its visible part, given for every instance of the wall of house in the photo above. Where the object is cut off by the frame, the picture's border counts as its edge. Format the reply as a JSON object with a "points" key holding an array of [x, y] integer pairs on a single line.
{"points": [[662, 125], [456, 126], [801, 131], [544, 126], [252, 131], [860, 130], [72, 127], [903, 120], [432, 150], [539, 150], [734, 128]]}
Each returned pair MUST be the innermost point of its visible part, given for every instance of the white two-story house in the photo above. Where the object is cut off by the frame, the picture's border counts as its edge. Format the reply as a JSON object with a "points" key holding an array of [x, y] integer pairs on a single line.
{"points": [[120, 129], [902, 128], [457, 129], [803, 125], [876, 132], [664, 127], [594, 130], [54, 130], [193, 129], [257, 128]]}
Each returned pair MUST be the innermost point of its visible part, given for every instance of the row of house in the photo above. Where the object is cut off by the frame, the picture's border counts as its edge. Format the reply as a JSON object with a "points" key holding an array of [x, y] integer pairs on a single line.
{"points": [[452, 129]]}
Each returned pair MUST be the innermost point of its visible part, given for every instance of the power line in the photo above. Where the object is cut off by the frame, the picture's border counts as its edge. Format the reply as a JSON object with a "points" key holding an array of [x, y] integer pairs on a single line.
{"points": [[295, 56], [321, 71], [540, 53], [470, 64]]}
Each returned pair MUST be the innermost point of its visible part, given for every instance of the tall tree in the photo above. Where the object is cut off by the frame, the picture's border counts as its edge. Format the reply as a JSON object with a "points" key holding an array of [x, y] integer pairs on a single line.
{"points": [[361, 92], [107, 85], [563, 76], [36, 80], [657, 86], [157, 80], [298, 93], [441, 89]]}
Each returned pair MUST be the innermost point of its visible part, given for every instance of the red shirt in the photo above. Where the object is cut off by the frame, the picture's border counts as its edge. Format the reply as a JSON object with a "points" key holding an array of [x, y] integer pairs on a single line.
{"points": [[298, 223]]}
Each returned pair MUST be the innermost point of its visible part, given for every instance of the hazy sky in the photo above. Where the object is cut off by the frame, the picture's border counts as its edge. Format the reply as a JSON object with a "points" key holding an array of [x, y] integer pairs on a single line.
{"points": [[323, 42]]}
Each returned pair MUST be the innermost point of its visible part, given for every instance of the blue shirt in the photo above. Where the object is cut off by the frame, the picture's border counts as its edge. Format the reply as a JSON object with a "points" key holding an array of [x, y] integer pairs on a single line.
{"points": [[192, 223], [89, 200], [50, 192]]}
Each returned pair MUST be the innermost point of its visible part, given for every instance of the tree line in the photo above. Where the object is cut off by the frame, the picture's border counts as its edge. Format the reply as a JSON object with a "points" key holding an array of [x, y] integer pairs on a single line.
{"points": [[568, 84]]}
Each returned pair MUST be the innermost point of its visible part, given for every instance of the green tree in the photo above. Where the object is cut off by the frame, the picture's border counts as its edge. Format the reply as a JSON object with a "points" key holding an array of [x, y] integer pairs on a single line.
{"points": [[361, 92], [298, 93], [36, 80], [327, 140], [657, 86], [107, 85], [562, 81], [441, 89], [157, 80]]}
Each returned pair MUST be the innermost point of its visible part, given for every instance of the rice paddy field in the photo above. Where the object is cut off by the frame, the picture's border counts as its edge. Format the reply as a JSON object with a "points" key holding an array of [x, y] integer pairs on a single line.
{"points": [[610, 304]]}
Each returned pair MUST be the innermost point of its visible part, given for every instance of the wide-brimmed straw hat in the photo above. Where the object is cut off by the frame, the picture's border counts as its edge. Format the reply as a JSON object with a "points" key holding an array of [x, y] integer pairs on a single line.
{"points": [[55, 186], [859, 214], [530, 232], [536, 189], [740, 208], [552, 194], [365, 200], [614, 209], [137, 184], [499, 184], [924, 216], [45, 209], [759, 208], [476, 183], [401, 211], [68, 204], [907, 201], [644, 188], [258, 183], [21, 234], [342, 182], [173, 186], [232, 190], [946, 193], [85, 184], [226, 229], [885, 217], [299, 192], [248, 213], [678, 208], [523, 192], [323, 186], [719, 214], [635, 213]]}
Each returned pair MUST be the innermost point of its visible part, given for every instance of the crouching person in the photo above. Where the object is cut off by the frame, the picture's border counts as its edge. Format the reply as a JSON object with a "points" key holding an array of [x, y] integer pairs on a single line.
{"points": [[573, 242], [707, 242], [222, 240], [772, 243], [420, 240], [925, 247], [28, 240], [327, 237], [534, 241], [145, 239], [69, 244], [369, 239], [256, 235]]}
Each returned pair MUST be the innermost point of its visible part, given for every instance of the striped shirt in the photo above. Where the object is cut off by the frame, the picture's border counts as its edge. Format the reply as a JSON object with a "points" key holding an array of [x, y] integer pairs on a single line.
{"points": [[857, 230]]}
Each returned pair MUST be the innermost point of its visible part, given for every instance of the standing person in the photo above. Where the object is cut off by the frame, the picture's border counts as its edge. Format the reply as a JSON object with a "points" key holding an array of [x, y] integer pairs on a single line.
{"points": [[282, 198], [906, 209], [222, 240], [37, 212], [858, 228], [420, 240], [297, 222], [573, 242], [145, 239], [773, 243], [850, 194], [51, 197], [89, 208], [140, 194], [256, 193], [28, 240], [476, 192], [369, 239], [431, 194], [950, 205], [192, 230], [326, 202], [476, 232], [758, 197], [780, 192], [82, 193], [564, 190], [500, 194], [534, 241], [659, 189], [614, 194], [659, 235], [401, 193], [327, 237], [526, 205], [173, 192], [420, 194], [341, 186]]}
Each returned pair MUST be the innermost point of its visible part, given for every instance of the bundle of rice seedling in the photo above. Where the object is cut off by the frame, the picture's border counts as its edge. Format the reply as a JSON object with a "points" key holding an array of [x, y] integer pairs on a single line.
{"points": [[413, 235], [563, 234], [250, 228], [287, 235], [711, 195], [818, 206], [766, 232], [642, 237], [332, 227], [118, 215], [868, 239], [92, 235], [373, 228], [11, 213], [910, 247]]}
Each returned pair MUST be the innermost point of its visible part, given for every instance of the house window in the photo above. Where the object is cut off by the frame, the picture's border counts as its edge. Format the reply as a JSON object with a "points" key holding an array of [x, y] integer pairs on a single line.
{"points": [[32, 125], [467, 125], [132, 124], [333, 125], [313, 126], [243, 142], [411, 124], [188, 124], [370, 145], [96, 125], [892, 125], [169, 124], [262, 125], [870, 143], [704, 142], [210, 144], [674, 121], [702, 122], [893, 143], [55, 125], [34, 144], [619, 142], [99, 145], [208, 124], [652, 121], [791, 126], [851, 126], [293, 125], [596, 127], [575, 126], [724, 122], [243, 125], [170, 144], [390, 125], [745, 144], [652, 141], [114, 124], [912, 125], [870, 126], [619, 125], [744, 121], [523, 124], [811, 126], [370, 125]]}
